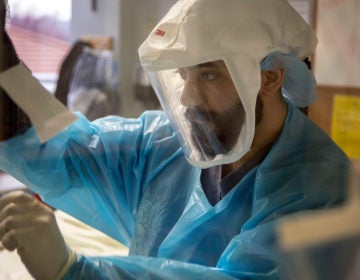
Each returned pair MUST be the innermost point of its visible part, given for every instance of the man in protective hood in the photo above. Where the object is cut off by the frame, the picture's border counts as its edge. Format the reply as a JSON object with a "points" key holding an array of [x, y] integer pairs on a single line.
{"points": [[196, 191]]}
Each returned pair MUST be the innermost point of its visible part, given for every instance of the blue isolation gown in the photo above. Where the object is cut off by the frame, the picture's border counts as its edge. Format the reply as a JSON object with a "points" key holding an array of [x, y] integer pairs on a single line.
{"points": [[129, 178]]}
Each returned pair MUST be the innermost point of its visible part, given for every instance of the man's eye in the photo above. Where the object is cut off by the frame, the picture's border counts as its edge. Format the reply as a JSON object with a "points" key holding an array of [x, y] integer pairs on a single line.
{"points": [[182, 73], [208, 76]]}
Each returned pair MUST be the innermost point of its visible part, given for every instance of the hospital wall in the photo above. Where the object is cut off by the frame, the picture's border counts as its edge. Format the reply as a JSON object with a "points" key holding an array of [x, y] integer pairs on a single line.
{"points": [[337, 70]]}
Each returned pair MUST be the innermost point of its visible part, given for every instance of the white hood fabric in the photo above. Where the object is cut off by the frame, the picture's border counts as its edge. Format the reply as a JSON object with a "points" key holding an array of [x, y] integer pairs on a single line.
{"points": [[239, 32]]}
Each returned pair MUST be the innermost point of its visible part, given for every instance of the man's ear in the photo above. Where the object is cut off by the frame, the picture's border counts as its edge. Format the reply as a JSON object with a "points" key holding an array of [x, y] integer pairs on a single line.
{"points": [[271, 81]]}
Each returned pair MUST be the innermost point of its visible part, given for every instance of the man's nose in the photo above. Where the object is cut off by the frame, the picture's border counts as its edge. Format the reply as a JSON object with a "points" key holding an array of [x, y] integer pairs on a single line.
{"points": [[191, 95]]}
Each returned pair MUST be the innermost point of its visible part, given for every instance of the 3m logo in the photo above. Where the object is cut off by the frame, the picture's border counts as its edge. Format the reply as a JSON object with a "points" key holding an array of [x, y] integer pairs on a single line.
{"points": [[160, 32]]}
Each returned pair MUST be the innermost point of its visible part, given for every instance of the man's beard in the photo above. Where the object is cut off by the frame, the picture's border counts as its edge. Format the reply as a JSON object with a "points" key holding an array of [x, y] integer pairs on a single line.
{"points": [[259, 110], [213, 134]]}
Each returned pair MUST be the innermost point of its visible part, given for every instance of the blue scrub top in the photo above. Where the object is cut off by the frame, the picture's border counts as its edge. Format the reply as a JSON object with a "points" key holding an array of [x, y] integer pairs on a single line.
{"points": [[129, 178]]}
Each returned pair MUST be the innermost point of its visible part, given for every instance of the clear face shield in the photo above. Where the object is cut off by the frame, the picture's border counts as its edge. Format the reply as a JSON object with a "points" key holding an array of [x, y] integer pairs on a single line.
{"points": [[204, 106]]}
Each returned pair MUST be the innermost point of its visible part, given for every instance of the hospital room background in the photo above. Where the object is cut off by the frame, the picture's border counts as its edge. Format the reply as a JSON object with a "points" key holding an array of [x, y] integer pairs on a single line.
{"points": [[85, 54]]}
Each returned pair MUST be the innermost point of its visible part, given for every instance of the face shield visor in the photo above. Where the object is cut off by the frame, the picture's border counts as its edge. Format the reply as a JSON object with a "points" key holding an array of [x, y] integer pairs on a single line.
{"points": [[204, 61], [204, 106]]}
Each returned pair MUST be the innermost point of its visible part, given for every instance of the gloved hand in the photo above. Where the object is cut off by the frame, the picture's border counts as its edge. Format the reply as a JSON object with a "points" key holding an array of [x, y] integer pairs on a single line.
{"points": [[30, 227]]}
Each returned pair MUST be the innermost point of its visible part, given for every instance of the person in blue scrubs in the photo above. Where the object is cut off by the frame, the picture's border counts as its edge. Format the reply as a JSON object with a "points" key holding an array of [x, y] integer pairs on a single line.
{"points": [[196, 191]]}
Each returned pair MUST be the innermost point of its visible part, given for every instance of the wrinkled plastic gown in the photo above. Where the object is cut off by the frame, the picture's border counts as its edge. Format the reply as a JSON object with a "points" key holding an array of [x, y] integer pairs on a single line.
{"points": [[129, 179]]}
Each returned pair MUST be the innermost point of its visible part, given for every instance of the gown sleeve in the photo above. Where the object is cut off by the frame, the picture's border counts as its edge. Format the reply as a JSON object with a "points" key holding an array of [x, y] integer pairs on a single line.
{"points": [[134, 268], [96, 172]]}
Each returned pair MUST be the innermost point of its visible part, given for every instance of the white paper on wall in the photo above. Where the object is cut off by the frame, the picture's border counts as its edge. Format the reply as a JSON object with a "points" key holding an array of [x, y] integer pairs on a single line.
{"points": [[337, 57]]}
